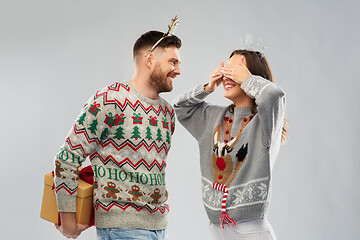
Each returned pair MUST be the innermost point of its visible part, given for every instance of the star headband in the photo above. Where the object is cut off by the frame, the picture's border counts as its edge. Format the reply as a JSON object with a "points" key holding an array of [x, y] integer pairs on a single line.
{"points": [[171, 29]]}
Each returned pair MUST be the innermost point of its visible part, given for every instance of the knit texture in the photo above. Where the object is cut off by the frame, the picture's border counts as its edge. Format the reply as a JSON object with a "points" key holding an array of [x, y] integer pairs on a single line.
{"points": [[237, 148], [127, 138]]}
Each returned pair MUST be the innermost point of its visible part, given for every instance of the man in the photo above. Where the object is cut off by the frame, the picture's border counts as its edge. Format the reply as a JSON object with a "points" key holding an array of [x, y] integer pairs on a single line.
{"points": [[125, 129]]}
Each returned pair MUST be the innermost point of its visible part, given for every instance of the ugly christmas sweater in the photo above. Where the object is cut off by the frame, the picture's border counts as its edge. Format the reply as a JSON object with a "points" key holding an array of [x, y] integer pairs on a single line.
{"points": [[237, 149], [127, 138]]}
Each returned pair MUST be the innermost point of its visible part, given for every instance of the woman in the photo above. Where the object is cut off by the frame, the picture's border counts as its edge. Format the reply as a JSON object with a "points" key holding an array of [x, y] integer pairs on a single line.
{"points": [[238, 144]]}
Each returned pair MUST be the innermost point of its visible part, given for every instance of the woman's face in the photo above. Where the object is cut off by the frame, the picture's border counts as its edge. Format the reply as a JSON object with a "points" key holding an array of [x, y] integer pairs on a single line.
{"points": [[233, 91]]}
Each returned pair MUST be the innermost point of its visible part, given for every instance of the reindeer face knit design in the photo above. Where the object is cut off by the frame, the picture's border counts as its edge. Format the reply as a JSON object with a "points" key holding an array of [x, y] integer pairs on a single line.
{"points": [[237, 149], [127, 138]]}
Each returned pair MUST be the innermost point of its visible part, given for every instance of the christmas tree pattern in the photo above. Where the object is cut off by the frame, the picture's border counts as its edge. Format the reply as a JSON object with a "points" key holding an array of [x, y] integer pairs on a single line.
{"points": [[148, 133], [119, 133], [159, 136], [136, 133], [104, 133], [165, 123], [94, 108], [93, 126], [82, 119], [168, 137], [137, 118], [153, 121]]}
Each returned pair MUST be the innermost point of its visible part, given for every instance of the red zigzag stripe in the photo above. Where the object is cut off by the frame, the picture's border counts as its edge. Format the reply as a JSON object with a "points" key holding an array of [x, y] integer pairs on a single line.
{"points": [[66, 189], [87, 139], [76, 146], [117, 89], [135, 207], [153, 145], [134, 105], [127, 160]]}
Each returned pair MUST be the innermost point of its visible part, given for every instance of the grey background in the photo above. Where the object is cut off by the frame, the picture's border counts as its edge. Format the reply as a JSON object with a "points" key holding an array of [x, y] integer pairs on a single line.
{"points": [[55, 54]]}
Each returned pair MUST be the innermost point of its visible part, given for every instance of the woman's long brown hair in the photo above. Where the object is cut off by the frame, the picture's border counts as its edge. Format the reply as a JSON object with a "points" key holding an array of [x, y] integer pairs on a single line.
{"points": [[258, 65]]}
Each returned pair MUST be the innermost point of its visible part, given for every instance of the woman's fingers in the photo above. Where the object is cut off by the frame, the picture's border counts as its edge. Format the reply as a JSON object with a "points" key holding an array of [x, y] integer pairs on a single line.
{"points": [[221, 64], [228, 72], [237, 73], [217, 74], [216, 77]]}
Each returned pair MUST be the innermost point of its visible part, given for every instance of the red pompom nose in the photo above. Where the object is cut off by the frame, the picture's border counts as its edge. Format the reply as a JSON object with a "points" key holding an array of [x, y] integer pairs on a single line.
{"points": [[220, 163]]}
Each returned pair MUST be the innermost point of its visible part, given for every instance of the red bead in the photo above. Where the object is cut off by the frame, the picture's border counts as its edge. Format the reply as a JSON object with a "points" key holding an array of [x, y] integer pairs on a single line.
{"points": [[244, 119], [251, 117], [226, 141], [232, 138], [227, 132], [226, 118], [230, 120]]}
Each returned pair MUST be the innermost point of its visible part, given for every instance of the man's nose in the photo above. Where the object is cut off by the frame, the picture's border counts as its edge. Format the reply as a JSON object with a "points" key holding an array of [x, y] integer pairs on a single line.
{"points": [[177, 70]]}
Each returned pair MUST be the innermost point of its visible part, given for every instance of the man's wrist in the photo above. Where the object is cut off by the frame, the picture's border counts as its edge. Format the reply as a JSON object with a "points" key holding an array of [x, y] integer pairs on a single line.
{"points": [[68, 218]]}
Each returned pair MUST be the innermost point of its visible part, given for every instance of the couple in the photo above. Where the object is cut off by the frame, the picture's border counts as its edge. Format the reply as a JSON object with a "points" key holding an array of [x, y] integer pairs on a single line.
{"points": [[125, 129]]}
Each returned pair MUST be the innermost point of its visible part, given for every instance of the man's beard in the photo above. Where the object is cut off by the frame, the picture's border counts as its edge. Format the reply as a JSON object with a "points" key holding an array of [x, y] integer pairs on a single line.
{"points": [[158, 81]]}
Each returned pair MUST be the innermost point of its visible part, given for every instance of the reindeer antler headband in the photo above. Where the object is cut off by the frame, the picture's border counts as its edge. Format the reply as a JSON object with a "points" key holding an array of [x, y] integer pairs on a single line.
{"points": [[174, 23]]}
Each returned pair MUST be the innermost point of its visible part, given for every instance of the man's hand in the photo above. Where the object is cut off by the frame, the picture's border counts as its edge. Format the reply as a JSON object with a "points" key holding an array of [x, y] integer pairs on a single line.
{"points": [[69, 228], [215, 78]]}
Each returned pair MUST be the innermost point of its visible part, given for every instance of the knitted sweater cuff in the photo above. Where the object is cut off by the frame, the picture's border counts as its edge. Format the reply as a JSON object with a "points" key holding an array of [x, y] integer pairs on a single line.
{"points": [[66, 203], [193, 96], [200, 93], [254, 85]]}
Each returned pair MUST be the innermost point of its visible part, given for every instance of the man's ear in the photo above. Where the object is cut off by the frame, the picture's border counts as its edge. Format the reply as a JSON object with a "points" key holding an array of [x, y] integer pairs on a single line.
{"points": [[149, 59]]}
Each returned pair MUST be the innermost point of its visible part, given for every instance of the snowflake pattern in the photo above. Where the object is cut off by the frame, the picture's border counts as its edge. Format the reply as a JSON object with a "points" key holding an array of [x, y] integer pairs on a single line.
{"points": [[215, 198], [205, 189], [239, 197], [255, 87], [263, 191], [253, 192]]}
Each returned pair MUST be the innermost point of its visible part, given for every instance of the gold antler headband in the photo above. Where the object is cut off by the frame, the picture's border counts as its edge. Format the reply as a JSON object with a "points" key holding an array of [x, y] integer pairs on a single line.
{"points": [[174, 23]]}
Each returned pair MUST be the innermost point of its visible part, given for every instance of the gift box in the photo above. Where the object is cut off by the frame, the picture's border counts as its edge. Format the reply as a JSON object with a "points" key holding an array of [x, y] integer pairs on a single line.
{"points": [[84, 206]]}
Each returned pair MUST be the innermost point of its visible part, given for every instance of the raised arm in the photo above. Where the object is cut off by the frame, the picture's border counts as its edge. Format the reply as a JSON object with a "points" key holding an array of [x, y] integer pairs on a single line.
{"points": [[270, 101], [191, 110], [269, 98]]}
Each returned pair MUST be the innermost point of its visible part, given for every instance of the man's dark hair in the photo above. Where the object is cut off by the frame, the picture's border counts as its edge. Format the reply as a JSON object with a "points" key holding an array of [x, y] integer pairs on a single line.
{"points": [[148, 39]]}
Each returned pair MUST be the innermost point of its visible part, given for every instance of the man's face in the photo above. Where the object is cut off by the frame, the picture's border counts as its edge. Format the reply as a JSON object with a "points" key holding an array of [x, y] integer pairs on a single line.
{"points": [[165, 70]]}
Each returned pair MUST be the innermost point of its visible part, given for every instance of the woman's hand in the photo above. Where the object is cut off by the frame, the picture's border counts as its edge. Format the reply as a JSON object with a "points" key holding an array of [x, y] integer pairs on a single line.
{"points": [[237, 73], [215, 78]]}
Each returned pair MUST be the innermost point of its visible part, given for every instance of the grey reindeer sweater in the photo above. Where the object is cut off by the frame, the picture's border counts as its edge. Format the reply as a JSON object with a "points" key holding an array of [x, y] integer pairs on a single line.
{"points": [[237, 148]]}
